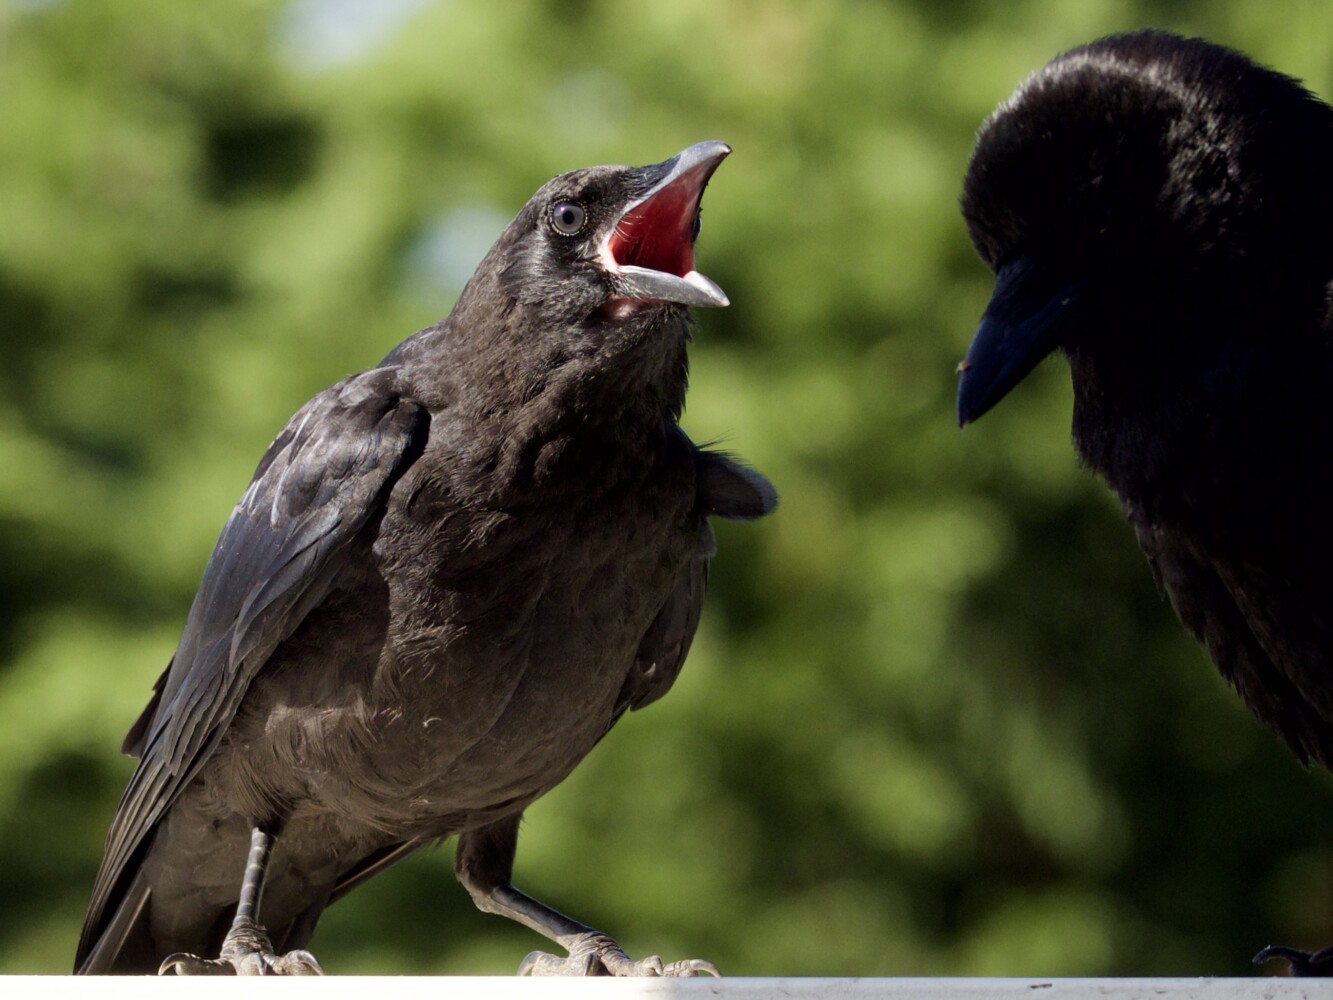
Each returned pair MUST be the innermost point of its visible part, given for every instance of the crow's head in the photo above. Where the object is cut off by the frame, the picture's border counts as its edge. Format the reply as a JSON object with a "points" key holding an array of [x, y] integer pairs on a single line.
{"points": [[1133, 177], [585, 295], [606, 244]]}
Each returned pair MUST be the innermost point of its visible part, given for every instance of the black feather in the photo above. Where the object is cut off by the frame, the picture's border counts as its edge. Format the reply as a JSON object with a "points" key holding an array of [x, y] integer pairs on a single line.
{"points": [[1159, 209], [449, 577]]}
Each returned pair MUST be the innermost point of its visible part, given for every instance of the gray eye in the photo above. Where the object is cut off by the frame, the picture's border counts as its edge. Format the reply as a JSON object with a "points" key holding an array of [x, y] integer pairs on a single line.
{"points": [[568, 217]]}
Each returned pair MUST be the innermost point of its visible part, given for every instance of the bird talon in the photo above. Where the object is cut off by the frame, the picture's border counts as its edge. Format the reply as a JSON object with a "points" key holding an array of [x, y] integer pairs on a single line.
{"points": [[242, 963], [598, 955], [691, 967], [616, 963], [296, 963], [184, 964], [525, 967], [540, 963], [1299, 963]]}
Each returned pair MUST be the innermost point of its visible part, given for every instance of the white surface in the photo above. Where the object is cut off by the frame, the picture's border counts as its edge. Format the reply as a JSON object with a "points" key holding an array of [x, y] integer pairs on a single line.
{"points": [[513, 988]]}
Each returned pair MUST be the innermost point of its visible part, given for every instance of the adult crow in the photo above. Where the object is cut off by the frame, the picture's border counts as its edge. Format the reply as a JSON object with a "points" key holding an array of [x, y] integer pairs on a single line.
{"points": [[1159, 209], [449, 578]]}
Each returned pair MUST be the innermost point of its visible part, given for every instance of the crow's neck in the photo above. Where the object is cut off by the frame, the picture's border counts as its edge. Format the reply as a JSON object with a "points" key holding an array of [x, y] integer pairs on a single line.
{"points": [[581, 422], [595, 406], [1188, 408], [595, 377]]}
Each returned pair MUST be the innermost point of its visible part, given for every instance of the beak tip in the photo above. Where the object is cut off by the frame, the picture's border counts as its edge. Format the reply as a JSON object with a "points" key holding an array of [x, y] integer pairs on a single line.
{"points": [[694, 289], [712, 151], [975, 397], [973, 405]]}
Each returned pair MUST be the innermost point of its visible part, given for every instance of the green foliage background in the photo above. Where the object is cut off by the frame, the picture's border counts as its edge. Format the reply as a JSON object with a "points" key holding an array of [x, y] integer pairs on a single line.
{"points": [[936, 721]]}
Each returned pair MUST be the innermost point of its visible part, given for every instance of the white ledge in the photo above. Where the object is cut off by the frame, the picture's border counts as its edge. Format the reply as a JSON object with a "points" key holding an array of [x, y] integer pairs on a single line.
{"points": [[514, 988]]}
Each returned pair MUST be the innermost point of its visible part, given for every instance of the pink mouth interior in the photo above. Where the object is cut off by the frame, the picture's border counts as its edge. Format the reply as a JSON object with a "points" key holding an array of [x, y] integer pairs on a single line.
{"points": [[656, 234]]}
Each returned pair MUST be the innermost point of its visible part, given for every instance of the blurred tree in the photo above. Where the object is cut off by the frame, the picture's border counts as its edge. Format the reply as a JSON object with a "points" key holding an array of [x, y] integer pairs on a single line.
{"points": [[937, 720]]}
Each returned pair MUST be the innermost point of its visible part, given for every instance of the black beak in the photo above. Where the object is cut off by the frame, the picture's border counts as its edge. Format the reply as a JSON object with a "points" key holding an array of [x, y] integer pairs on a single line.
{"points": [[651, 248], [1028, 313]]}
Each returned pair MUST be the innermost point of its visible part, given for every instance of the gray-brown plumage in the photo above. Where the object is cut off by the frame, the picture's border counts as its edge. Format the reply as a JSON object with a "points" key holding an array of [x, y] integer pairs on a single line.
{"points": [[1159, 209], [449, 578]]}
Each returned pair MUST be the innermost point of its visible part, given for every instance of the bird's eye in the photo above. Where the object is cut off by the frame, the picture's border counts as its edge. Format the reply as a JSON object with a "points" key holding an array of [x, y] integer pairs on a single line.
{"points": [[568, 217]]}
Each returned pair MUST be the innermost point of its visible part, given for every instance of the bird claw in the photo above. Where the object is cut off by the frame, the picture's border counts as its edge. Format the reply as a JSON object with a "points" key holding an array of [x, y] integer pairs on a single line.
{"points": [[1300, 963], [294, 963], [246, 951], [599, 955], [691, 967], [184, 964], [253, 963]]}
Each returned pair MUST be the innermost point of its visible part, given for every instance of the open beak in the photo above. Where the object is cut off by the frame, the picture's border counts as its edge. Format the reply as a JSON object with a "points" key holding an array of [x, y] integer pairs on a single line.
{"points": [[650, 252]]}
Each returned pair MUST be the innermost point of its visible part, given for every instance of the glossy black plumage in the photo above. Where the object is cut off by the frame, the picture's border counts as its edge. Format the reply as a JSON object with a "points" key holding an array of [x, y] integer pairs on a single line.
{"points": [[1159, 210], [450, 576]]}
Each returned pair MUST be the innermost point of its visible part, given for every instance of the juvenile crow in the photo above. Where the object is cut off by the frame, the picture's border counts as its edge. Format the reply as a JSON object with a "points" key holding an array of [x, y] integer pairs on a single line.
{"points": [[449, 578], [1160, 210]]}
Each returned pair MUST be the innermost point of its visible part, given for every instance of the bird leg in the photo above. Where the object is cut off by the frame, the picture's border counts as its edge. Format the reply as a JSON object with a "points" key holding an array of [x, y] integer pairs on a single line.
{"points": [[1300, 963], [247, 950], [484, 864]]}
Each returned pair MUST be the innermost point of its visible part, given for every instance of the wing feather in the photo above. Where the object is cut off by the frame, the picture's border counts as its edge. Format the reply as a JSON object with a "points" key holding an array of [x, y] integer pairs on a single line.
{"points": [[321, 483]]}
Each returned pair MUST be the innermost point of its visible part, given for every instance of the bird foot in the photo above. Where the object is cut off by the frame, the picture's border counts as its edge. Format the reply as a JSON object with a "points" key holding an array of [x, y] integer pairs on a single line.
{"points": [[1300, 963], [246, 951], [598, 955]]}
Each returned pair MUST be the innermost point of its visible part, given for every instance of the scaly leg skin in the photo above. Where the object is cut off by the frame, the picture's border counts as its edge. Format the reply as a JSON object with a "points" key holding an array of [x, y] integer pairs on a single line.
{"points": [[484, 864], [592, 953], [247, 950], [1300, 963]]}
